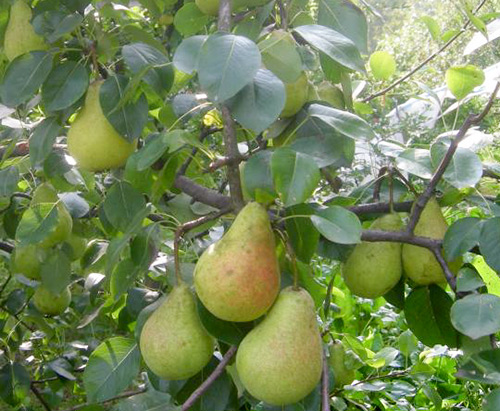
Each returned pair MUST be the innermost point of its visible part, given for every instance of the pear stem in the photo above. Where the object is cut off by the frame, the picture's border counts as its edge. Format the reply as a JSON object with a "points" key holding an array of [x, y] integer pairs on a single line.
{"points": [[391, 190]]}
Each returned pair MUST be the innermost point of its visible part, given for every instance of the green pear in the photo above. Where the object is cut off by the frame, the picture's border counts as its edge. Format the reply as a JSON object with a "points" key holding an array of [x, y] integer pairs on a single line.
{"points": [[76, 246], [173, 342], [49, 303], [237, 278], [419, 263], [92, 141], [343, 375], [45, 193], [331, 94], [373, 268], [211, 7], [20, 36], [296, 96], [280, 360], [27, 260]]}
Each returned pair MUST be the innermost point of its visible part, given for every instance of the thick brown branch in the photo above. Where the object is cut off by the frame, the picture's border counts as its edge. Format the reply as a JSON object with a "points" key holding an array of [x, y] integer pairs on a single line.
{"points": [[325, 386], [400, 237], [202, 194], [224, 23], [205, 385], [380, 208], [450, 278]]}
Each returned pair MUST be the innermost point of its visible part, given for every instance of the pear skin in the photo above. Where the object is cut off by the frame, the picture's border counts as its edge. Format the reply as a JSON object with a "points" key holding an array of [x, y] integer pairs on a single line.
{"points": [[237, 278], [373, 268], [27, 260], [173, 342], [49, 303], [20, 36], [296, 96], [92, 141], [280, 360], [419, 263], [342, 374]]}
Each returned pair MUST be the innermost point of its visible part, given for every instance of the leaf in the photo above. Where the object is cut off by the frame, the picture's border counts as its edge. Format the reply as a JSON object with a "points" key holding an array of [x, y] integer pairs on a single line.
{"points": [[416, 161], [159, 73], [492, 401], [489, 244], [156, 145], [112, 366], [477, 315], [14, 383], [432, 26], [9, 178], [188, 53], [260, 102], [151, 400], [55, 24], [482, 367], [122, 204], [461, 80], [333, 44], [461, 236], [427, 312], [468, 280], [346, 18], [280, 56], [295, 175], [344, 122], [122, 278], [489, 276], [37, 223], [42, 140], [65, 85], [128, 118], [190, 20], [337, 224], [257, 180], [24, 76], [56, 272], [301, 231], [227, 63], [382, 65]]}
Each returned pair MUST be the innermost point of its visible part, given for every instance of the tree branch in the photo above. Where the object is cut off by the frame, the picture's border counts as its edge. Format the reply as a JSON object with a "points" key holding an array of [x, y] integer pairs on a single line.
{"points": [[205, 385], [380, 208], [126, 394], [202, 194], [423, 63], [400, 237], [325, 386], [40, 397], [470, 121], [6, 247]]}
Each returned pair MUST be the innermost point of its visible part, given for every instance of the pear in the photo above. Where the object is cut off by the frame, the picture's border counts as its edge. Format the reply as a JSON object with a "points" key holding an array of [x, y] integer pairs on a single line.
{"points": [[173, 342], [20, 36], [343, 375], [49, 303], [76, 246], [280, 360], [45, 193], [331, 94], [419, 263], [296, 96], [27, 260], [237, 278], [92, 141], [211, 7], [373, 268]]}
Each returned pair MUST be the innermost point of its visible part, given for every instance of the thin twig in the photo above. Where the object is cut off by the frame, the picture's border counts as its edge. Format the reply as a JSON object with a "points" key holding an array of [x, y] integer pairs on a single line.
{"points": [[118, 397], [378, 183], [6, 247], [205, 132], [283, 16], [205, 385], [40, 397], [423, 63], [325, 386], [450, 278]]}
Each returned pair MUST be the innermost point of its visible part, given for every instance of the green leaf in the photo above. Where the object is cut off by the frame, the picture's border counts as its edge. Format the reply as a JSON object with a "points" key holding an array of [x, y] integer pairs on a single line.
{"points": [[301, 231], [295, 175], [468, 280], [489, 244], [432, 26], [37, 223], [190, 20], [9, 178], [156, 145], [55, 24], [482, 367], [427, 312], [489, 276], [149, 401], [476, 22], [65, 85], [260, 102], [461, 80], [477, 315], [157, 69], [382, 65], [463, 235], [492, 401], [344, 122], [111, 368], [187, 55], [415, 161], [346, 18], [123, 278], [333, 44], [127, 117], [257, 179], [14, 383], [465, 168], [24, 76], [42, 140], [227, 63], [338, 225], [280, 55], [122, 204], [56, 272]]}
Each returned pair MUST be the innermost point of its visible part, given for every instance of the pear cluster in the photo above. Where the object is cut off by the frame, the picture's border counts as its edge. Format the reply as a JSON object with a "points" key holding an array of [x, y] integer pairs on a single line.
{"points": [[374, 268], [237, 279], [27, 259]]}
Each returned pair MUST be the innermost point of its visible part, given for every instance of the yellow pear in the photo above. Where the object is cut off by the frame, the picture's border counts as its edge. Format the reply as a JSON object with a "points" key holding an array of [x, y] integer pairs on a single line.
{"points": [[49, 303], [45, 193], [20, 36], [92, 141], [342, 374], [296, 96], [237, 278], [419, 263], [373, 268], [280, 360], [173, 342], [27, 260]]}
